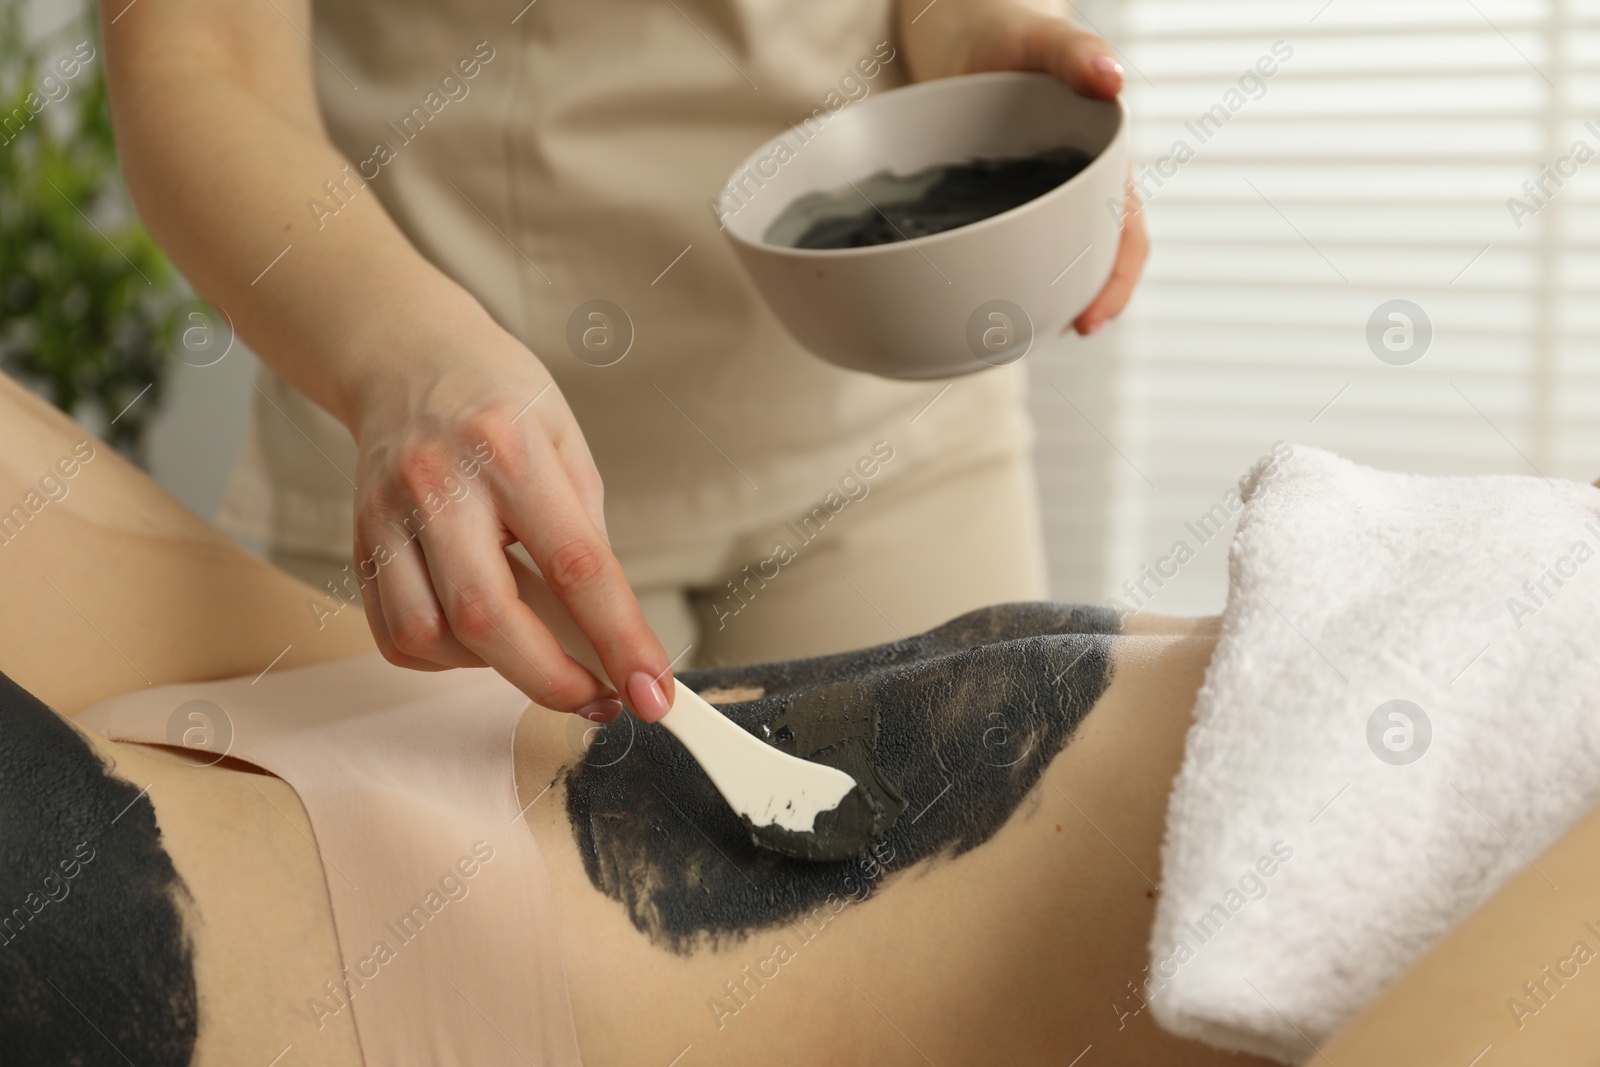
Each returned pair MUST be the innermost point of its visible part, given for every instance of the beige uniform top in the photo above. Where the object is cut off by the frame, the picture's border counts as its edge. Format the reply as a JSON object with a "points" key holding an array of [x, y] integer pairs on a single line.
{"points": [[578, 162]]}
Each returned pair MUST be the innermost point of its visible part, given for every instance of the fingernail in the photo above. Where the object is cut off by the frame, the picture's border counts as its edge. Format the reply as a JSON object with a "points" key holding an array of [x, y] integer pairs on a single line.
{"points": [[1095, 327], [1106, 65], [649, 702], [601, 710]]}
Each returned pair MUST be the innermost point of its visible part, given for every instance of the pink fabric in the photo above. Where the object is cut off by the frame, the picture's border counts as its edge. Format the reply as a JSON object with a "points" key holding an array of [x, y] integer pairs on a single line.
{"points": [[408, 780]]}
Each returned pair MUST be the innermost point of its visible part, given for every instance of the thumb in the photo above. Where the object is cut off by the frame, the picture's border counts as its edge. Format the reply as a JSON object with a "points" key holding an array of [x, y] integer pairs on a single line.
{"points": [[1084, 61]]}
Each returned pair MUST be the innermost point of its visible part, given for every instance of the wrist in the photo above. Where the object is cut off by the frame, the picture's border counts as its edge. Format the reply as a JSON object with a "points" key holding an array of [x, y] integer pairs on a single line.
{"points": [[402, 344]]}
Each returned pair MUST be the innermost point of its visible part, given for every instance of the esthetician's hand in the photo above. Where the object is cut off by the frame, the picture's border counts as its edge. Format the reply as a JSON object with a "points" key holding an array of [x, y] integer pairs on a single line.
{"points": [[466, 446], [949, 37]]}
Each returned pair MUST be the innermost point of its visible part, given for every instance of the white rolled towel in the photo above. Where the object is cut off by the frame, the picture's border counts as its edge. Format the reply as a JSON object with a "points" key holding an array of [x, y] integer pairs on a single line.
{"points": [[1401, 713]]}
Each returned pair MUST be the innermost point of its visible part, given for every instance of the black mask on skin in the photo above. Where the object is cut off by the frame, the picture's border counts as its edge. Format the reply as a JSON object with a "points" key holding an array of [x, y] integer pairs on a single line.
{"points": [[95, 964], [968, 717]]}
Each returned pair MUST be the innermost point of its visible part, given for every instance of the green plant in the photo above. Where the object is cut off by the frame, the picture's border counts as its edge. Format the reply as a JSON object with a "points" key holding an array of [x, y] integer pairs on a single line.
{"points": [[84, 292]]}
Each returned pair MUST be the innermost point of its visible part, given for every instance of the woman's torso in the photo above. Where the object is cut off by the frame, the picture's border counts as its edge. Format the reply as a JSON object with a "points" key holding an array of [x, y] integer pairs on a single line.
{"points": [[1012, 952]]}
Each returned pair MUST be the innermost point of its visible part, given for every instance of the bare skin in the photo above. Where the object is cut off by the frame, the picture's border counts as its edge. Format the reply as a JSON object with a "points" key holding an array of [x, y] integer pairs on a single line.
{"points": [[1458, 1000], [410, 362], [1012, 953]]}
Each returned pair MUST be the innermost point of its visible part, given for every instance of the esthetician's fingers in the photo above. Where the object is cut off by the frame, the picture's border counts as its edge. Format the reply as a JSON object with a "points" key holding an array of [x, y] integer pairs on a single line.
{"points": [[462, 418], [1132, 251], [1083, 60], [467, 566], [371, 604], [1014, 36], [415, 619], [549, 518], [585, 479]]}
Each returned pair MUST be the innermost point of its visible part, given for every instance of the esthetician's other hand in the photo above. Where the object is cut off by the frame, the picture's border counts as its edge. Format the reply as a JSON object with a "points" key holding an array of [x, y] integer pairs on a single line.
{"points": [[466, 446], [948, 37]]}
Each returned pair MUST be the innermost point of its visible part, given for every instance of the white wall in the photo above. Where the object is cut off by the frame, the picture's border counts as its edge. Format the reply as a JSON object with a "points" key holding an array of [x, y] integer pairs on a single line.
{"points": [[198, 435], [1072, 403]]}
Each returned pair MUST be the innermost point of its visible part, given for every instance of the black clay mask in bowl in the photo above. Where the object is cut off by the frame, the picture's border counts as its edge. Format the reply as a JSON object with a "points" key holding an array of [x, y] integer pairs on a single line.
{"points": [[981, 216], [890, 207]]}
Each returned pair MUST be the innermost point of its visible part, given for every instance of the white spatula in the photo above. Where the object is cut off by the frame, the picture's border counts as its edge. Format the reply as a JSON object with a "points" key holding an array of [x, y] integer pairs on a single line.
{"points": [[766, 787]]}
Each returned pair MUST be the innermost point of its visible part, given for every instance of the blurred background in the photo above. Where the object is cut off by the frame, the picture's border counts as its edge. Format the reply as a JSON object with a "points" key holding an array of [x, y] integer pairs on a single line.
{"points": [[90, 312], [1388, 247], [1379, 164]]}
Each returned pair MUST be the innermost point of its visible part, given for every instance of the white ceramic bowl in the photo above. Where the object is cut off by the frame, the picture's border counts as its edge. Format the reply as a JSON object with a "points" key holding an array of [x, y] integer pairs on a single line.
{"points": [[952, 302]]}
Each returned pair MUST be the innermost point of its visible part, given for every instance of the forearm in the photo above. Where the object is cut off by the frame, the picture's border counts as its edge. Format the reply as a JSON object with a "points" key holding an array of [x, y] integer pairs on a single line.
{"points": [[222, 148]]}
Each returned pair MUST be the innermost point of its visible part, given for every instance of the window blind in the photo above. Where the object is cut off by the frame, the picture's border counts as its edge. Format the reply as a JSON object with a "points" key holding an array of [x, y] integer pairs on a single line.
{"points": [[1428, 153]]}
